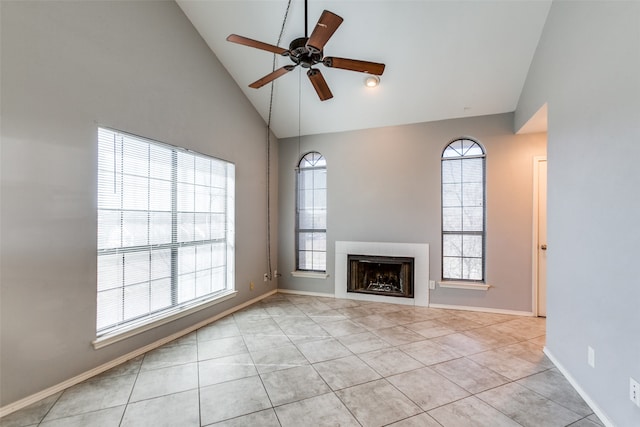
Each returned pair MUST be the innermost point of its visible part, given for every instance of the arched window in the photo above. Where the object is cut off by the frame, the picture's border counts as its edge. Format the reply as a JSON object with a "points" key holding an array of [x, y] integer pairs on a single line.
{"points": [[463, 211], [311, 213]]}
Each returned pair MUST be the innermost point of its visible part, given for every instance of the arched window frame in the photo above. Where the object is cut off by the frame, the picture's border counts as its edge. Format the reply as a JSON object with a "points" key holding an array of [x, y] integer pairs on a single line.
{"points": [[311, 213], [463, 192]]}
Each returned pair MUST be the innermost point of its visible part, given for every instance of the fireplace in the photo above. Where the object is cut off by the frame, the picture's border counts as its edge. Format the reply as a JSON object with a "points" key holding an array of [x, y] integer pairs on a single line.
{"points": [[381, 275], [420, 273]]}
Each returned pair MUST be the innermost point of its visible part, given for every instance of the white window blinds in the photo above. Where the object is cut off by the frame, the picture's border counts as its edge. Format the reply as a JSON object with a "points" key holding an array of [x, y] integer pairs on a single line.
{"points": [[165, 230], [463, 211], [311, 218]]}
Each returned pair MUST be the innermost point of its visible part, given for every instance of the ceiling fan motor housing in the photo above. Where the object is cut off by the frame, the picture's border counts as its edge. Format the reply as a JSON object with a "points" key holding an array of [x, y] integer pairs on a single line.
{"points": [[301, 55]]}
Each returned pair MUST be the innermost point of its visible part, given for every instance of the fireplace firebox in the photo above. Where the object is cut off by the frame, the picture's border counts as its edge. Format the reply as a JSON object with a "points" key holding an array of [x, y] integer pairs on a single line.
{"points": [[381, 275]]}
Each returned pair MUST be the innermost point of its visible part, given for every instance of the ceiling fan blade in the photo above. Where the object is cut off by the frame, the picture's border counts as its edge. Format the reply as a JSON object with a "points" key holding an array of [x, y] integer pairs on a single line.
{"points": [[319, 84], [326, 26], [354, 65], [234, 38], [272, 76]]}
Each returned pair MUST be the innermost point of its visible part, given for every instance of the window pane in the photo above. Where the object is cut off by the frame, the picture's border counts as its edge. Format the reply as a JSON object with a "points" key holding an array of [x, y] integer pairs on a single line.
{"points": [[134, 228], [305, 260], [159, 195], [452, 195], [305, 241], [136, 267], [472, 246], [160, 162], [159, 228], [136, 300], [451, 268], [472, 219], [186, 198], [320, 178], [472, 194], [186, 224], [160, 294], [186, 168], [110, 303], [186, 260], [305, 218], [320, 199], [161, 264], [109, 229], [319, 242], [320, 219], [473, 170], [186, 287], [110, 271], [452, 245], [451, 171], [319, 261], [472, 269], [451, 219], [135, 192]]}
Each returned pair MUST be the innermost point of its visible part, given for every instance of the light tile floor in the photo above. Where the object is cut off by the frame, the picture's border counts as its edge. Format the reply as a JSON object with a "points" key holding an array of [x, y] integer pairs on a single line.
{"points": [[295, 360]]}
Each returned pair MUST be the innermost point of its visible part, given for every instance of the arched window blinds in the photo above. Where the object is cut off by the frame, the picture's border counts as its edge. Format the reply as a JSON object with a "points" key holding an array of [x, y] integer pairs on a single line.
{"points": [[463, 211], [311, 213]]}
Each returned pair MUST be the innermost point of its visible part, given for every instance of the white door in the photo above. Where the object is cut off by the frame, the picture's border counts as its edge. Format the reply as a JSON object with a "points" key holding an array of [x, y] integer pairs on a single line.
{"points": [[542, 237]]}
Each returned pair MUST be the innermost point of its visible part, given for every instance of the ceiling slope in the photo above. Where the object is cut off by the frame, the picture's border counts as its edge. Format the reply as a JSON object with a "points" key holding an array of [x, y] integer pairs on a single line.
{"points": [[444, 59]]}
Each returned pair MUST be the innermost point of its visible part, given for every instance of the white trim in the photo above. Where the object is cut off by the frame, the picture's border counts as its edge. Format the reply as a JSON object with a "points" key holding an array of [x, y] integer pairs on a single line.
{"points": [[534, 240], [123, 334], [483, 309], [26, 401], [587, 399], [464, 285], [309, 274], [311, 294]]}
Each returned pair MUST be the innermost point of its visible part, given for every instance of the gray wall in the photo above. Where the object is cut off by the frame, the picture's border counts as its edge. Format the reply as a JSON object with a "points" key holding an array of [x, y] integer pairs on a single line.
{"points": [[586, 68], [66, 67], [384, 185]]}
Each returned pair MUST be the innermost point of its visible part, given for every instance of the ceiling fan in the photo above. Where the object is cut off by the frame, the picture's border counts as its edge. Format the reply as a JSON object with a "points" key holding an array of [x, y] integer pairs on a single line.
{"points": [[308, 52]]}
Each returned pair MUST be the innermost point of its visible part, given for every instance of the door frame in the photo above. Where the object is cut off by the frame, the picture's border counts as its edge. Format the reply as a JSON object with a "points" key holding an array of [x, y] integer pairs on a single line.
{"points": [[535, 240]]}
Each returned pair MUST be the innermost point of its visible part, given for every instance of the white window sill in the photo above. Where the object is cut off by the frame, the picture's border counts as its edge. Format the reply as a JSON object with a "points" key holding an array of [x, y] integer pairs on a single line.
{"points": [[464, 285], [309, 274], [122, 334]]}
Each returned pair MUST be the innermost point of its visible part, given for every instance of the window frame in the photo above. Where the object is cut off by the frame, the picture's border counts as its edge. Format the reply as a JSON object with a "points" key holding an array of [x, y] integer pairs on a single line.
{"points": [[482, 233], [298, 229], [129, 326]]}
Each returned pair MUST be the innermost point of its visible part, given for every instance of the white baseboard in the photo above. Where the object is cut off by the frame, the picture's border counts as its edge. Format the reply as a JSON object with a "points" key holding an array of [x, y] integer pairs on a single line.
{"points": [[24, 402], [483, 309], [311, 294], [587, 399]]}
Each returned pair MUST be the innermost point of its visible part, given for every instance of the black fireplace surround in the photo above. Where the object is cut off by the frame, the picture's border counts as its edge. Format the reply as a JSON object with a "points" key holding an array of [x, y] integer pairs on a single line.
{"points": [[380, 275]]}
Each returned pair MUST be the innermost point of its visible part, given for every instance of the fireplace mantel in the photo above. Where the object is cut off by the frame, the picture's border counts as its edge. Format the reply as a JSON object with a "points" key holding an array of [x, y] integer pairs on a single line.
{"points": [[418, 251]]}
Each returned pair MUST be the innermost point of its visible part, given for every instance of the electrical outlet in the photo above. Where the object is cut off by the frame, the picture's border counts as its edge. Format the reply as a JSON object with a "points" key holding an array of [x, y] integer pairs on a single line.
{"points": [[251, 286], [591, 356], [266, 277], [432, 284], [634, 391]]}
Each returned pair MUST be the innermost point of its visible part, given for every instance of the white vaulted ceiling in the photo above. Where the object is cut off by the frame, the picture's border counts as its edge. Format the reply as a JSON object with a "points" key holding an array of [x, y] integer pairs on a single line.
{"points": [[444, 59]]}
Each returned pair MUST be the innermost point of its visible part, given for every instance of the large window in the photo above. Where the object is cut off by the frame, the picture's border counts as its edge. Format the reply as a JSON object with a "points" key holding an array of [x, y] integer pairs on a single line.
{"points": [[311, 213], [165, 230], [463, 211]]}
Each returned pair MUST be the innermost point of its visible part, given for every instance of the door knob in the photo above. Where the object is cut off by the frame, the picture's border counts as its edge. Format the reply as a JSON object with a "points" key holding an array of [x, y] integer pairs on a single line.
{"points": [[543, 247]]}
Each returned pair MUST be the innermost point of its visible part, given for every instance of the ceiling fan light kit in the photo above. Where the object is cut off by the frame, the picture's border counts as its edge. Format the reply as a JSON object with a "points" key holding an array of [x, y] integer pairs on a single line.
{"points": [[372, 81], [308, 52]]}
